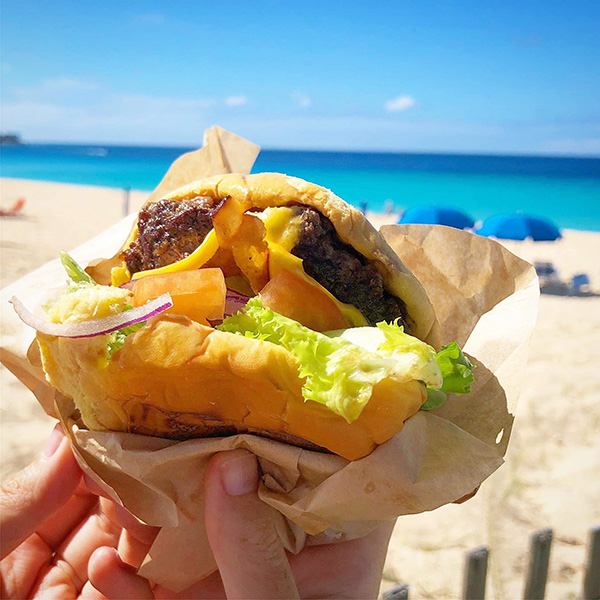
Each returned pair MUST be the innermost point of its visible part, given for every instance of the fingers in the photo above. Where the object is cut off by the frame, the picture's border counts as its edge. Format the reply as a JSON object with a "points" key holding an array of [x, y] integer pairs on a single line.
{"points": [[69, 565], [131, 549], [55, 529], [116, 580], [37, 492], [251, 559], [136, 538], [350, 569]]}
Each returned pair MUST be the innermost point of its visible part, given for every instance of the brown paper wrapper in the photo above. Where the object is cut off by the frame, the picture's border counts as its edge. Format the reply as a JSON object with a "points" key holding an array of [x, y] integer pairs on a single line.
{"points": [[485, 298]]}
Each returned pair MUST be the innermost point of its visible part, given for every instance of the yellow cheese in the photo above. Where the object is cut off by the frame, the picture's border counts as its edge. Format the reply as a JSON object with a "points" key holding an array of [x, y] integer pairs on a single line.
{"points": [[119, 276], [195, 260], [283, 225]]}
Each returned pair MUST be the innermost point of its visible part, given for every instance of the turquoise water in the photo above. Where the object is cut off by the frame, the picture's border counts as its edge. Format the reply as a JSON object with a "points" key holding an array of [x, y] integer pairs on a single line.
{"points": [[566, 190]]}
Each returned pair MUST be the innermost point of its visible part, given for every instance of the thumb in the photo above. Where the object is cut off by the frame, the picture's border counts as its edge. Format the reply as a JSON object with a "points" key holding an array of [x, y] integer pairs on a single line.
{"points": [[37, 492], [251, 559]]}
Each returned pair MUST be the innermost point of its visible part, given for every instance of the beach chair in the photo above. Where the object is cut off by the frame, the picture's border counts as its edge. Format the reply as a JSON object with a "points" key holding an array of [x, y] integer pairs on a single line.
{"points": [[546, 271], [580, 283], [550, 281], [14, 210]]}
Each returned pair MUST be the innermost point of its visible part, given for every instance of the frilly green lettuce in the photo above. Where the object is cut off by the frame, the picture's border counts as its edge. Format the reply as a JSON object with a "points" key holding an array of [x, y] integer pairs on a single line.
{"points": [[342, 367], [76, 274], [339, 374], [456, 370], [413, 358], [457, 374]]}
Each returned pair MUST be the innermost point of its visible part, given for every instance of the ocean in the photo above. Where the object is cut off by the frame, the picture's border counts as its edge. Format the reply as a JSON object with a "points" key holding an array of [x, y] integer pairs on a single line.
{"points": [[566, 190]]}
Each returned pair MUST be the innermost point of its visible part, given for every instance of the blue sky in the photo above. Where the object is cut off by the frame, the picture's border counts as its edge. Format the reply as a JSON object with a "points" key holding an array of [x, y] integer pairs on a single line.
{"points": [[509, 77]]}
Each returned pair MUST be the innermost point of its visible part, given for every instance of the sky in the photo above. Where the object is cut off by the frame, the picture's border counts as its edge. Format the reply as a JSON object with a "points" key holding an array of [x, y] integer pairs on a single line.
{"points": [[427, 76]]}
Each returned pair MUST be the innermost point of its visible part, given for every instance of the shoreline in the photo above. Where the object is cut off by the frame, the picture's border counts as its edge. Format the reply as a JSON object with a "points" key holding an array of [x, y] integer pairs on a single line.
{"points": [[51, 207], [377, 217], [373, 215], [550, 475]]}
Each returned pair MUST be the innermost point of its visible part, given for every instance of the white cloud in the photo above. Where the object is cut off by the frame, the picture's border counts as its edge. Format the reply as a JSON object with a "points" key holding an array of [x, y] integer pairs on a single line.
{"points": [[112, 117], [301, 99], [400, 103], [55, 88], [584, 146], [236, 100]]}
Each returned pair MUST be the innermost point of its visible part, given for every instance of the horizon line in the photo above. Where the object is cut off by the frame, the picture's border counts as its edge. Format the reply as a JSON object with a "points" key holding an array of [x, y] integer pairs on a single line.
{"points": [[487, 153]]}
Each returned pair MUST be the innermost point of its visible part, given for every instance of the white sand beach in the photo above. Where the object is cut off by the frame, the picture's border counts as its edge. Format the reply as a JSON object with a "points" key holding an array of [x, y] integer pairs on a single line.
{"points": [[550, 478]]}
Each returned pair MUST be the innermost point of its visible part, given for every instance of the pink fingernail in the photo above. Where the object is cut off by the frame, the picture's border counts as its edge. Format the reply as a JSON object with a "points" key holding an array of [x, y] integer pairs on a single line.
{"points": [[54, 441], [240, 474]]}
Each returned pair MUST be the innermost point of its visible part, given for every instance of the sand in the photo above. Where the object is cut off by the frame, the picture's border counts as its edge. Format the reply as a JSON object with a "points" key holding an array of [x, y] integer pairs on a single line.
{"points": [[550, 478]]}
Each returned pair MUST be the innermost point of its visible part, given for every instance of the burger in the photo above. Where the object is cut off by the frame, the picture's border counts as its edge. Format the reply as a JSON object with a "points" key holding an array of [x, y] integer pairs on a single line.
{"points": [[258, 304]]}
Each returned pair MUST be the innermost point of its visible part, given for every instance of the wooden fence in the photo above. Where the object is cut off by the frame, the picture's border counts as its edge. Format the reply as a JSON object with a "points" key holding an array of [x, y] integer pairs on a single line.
{"points": [[476, 561]]}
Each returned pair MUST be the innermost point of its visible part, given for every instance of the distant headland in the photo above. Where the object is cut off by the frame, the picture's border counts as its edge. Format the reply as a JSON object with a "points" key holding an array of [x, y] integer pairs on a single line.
{"points": [[10, 139]]}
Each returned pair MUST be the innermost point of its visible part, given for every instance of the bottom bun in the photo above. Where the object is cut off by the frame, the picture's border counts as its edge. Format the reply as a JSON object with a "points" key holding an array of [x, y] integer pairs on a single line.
{"points": [[178, 379]]}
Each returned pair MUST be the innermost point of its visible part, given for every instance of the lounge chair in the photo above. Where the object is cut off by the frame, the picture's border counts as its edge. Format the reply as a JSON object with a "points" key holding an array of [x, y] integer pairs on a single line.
{"points": [[14, 210], [546, 271], [580, 283]]}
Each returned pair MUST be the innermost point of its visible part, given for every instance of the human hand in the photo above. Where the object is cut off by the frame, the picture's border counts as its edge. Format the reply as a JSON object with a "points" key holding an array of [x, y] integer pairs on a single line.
{"points": [[51, 525], [251, 560]]}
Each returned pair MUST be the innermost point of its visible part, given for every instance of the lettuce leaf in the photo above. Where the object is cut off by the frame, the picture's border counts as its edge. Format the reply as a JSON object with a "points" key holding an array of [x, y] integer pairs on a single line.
{"points": [[341, 367], [75, 271], [339, 374], [414, 359], [117, 338], [457, 374], [456, 369]]}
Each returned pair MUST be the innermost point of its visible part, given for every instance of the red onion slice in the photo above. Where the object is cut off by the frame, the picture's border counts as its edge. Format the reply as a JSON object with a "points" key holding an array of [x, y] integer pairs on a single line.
{"points": [[82, 329], [234, 302]]}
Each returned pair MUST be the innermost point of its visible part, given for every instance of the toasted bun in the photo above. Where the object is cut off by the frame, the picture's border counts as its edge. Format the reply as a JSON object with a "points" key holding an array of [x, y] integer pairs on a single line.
{"points": [[179, 379]]}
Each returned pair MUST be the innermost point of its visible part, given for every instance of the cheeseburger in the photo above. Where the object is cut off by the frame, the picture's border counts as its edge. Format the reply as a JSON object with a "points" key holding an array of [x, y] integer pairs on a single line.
{"points": [[258, 304]]}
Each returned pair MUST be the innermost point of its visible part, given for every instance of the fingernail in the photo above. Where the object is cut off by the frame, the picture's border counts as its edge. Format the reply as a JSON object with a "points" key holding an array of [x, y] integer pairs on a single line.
{"points": [[54, 441], [240, 474]]}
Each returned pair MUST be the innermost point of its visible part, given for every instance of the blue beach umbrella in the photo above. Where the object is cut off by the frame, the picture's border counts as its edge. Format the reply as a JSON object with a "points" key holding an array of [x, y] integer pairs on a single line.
{"points": [[518, 226], [437, 215]]}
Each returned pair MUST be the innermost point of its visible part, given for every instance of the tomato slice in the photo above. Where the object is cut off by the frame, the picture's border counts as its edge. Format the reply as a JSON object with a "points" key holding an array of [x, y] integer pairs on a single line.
{"points": [[292, 296], [199, 295]]}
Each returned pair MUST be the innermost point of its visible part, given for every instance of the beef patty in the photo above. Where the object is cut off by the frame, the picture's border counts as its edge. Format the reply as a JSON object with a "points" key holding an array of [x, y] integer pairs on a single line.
{"points": [[170, 230], [343, 271]]}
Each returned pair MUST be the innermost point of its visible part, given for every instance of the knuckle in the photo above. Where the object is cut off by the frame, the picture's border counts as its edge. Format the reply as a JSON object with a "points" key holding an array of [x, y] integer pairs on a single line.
{"points": [[105, 526], [261, 540], [18, 491]]}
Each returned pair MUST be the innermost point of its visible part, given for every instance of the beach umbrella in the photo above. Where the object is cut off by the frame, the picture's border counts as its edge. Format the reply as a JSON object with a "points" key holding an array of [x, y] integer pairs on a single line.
{"points": [[518, 226], [437, 215]]}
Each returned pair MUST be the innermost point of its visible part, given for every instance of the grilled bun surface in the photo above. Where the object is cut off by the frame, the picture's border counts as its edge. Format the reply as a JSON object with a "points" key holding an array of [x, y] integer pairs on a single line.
{"points": [[178, 378]]}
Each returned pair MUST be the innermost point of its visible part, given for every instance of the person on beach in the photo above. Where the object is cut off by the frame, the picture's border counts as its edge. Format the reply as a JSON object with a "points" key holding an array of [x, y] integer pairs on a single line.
{"points": [[62, 538]]}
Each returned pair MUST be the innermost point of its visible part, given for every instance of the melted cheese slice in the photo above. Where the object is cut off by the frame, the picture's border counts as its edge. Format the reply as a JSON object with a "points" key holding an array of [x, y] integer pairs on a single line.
{"points": [[199, 257], [121, 275], [283, 225]]}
